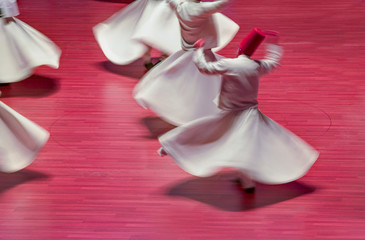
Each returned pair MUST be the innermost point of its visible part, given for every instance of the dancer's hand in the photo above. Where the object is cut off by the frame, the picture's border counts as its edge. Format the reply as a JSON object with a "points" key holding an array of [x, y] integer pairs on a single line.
{"points": [[200, 43], [272, 37], [9, 20]]}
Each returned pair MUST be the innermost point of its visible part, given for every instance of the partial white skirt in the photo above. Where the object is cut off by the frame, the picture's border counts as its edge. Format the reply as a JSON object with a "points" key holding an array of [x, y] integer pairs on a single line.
{"points": [[124, 36], [245, 140], [23, 48], [176, 90], [20, 140]]}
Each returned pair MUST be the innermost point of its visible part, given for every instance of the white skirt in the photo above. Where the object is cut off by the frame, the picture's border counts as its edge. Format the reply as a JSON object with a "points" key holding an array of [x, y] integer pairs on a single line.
{"points": [[23, 48], [176, 90], [124, 36], [20, 140], [245, 140]]}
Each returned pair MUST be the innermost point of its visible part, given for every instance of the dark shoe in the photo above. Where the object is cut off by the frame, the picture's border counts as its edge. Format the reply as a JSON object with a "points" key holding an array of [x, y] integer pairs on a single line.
{"points": [[148, 65], [248, 188]]}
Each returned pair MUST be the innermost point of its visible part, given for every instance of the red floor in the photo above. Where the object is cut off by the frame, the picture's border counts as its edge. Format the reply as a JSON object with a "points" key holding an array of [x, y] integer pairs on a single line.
{"points": [[99, 176]]}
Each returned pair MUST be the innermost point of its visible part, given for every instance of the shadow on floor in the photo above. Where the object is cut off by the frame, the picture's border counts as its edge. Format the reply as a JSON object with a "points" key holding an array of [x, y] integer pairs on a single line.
{"points": [[10, 180], [135, 69], [221, 192], [34, 86], [156, 126]]}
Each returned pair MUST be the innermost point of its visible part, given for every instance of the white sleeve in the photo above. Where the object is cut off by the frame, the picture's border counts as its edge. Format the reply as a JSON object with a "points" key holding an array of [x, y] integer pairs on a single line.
{"points": [[271, 60], [173, 3], [9, 8], [208, 8], [217, 67]]}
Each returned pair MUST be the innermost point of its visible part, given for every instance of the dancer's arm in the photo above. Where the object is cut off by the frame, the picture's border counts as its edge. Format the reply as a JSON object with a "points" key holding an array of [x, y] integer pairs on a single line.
{"points": [[272, 58], [174, 3], [211, 7], [202, 8], [217, 67], [208, 8]]}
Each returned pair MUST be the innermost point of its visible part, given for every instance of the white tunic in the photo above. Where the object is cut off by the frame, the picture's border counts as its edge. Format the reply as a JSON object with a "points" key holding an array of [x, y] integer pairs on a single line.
{"points": [[197, 21], [22, 47], [20, 140], [175, 89], [9, 8], [240, 137]]}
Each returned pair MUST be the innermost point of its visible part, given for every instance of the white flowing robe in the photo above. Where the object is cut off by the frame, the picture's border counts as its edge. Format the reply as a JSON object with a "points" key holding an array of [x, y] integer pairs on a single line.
{"points": [[20, 140], [22, 48], [123, 37], [240, 137], [175, 89]]}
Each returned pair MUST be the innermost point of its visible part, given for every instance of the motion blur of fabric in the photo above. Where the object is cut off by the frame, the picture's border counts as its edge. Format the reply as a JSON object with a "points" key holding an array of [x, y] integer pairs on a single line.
{"points": [[126, 35], [22, 47], [20, 140], [175, 89]]}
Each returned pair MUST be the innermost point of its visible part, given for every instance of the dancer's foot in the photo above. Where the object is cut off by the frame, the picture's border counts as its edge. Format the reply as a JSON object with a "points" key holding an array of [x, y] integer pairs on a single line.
{"points": [[146, 58], [250, 190], [246, 183], [161, 152], [148, 65]]}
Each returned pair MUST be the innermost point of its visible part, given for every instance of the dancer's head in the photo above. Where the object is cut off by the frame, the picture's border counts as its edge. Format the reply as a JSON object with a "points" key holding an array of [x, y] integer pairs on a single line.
{"points": [[251, 42]]}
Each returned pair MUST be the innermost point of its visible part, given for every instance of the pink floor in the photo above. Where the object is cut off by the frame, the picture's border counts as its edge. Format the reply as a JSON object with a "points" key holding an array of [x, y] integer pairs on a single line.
{"points": [[99, 176]]}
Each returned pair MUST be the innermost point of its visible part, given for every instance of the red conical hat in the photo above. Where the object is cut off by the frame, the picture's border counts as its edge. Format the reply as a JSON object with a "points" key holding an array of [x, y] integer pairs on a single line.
{"points": [[251, 42]]}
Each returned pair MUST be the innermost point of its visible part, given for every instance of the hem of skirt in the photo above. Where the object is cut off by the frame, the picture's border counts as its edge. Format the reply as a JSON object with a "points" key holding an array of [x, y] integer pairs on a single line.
{"points": [[300, 174], [177, 158], [109, 53], [28, 161]]}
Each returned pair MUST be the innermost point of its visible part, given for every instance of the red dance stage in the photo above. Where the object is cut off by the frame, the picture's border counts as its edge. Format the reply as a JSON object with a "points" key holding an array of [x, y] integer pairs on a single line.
{"points": [[99, 176]]}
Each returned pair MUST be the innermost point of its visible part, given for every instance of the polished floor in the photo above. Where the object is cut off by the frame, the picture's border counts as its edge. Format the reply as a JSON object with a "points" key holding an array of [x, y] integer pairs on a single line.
{"points": [[99, 176]]}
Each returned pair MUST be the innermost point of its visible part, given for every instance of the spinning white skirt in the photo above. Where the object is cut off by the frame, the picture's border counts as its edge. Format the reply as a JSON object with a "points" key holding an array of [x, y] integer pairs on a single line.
{"points": [[23, 48], [124, 36], [245, 140], [176, 90], [20, 140]]}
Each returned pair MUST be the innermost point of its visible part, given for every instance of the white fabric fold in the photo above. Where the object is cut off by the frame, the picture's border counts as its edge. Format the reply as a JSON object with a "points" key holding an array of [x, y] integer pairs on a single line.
{"points": [[22, 49], [20, 140]]}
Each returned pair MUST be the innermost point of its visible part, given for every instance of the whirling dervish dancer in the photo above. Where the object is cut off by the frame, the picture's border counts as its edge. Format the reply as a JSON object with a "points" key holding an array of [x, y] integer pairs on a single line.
{"points": [[20, 140], [240, 137], [175, 89], [132, 32], [22, 48]]}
